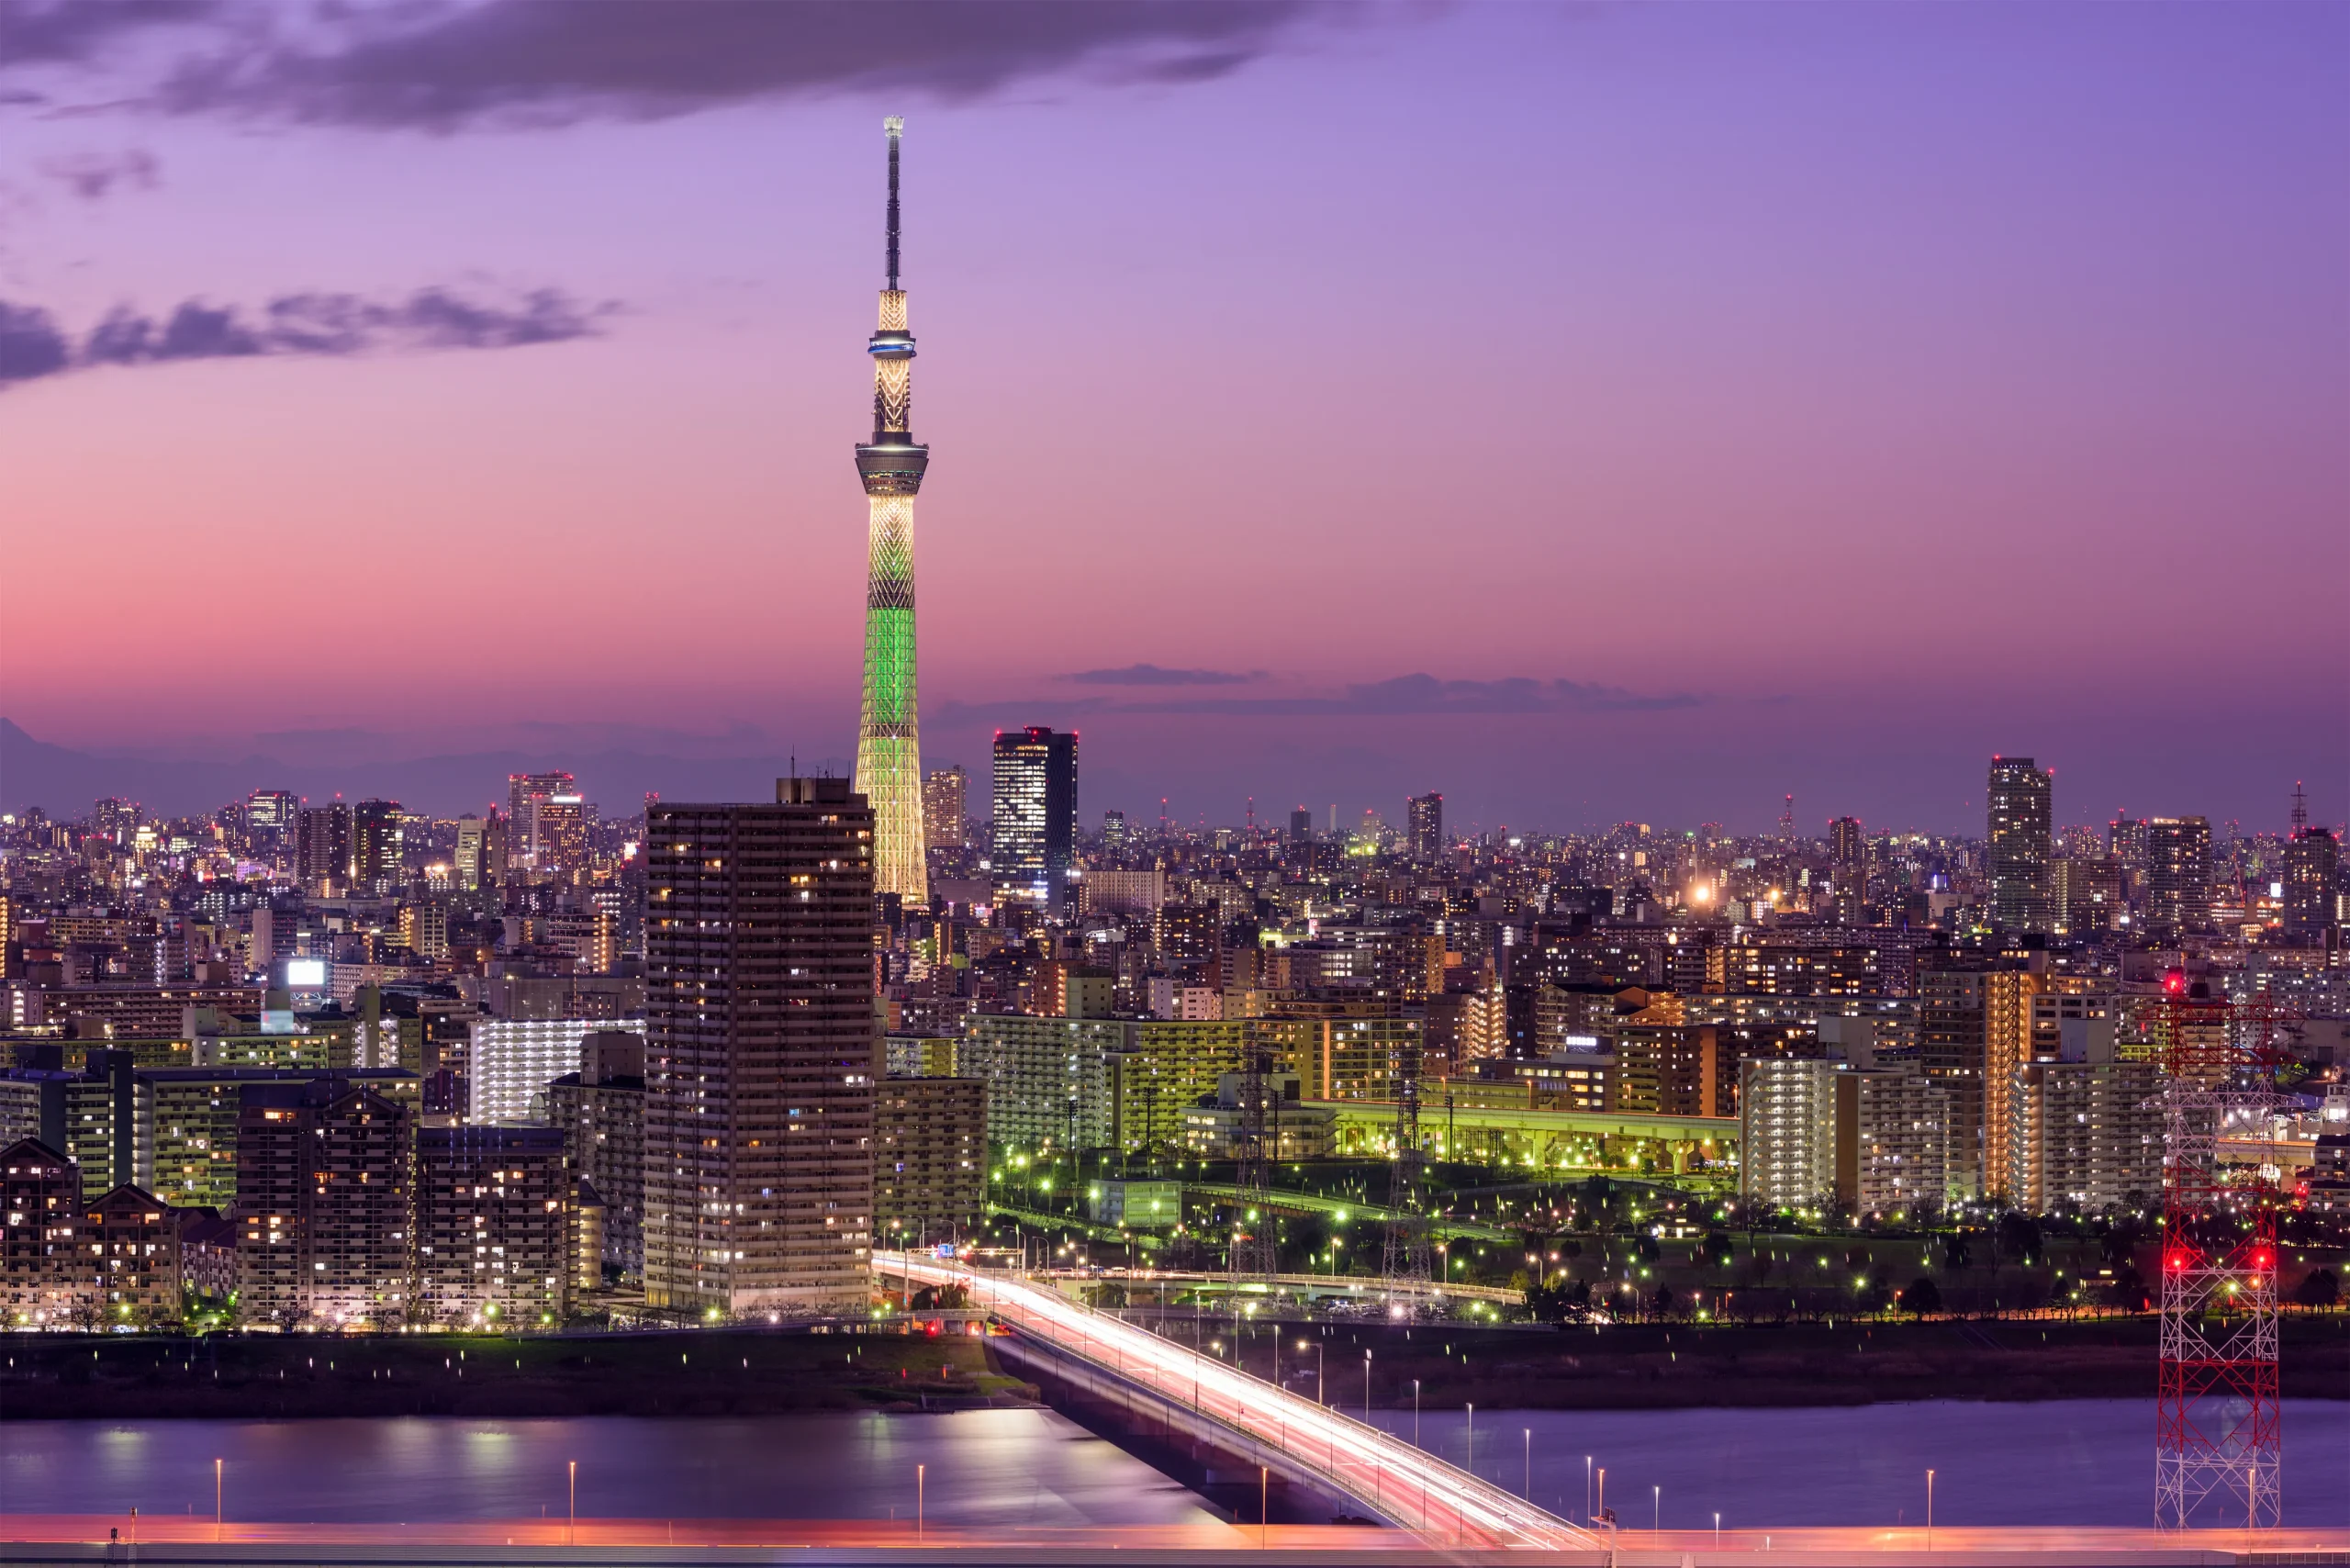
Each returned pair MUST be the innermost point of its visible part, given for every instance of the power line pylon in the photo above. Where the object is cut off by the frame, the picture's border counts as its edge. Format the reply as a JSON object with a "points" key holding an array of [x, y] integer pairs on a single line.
{"points": [[2217, 1428], [1407, 1264], [1253, 1256]]}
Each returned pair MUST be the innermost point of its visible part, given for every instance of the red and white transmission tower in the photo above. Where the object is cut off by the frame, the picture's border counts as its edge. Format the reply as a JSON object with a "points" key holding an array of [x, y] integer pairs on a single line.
{"points": [[2217, 1432]]}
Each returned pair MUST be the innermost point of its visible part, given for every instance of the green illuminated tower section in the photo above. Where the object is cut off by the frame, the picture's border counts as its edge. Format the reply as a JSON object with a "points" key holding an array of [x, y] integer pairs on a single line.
{"points": [[888, 745]]}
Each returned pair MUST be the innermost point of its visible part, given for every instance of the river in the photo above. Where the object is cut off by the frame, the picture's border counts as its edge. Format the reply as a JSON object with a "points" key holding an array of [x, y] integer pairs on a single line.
{"points": [[2074, 1462]]}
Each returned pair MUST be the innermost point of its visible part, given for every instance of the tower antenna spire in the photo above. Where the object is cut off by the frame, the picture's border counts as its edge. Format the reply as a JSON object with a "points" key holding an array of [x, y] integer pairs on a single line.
{"points": [[896, 126]]}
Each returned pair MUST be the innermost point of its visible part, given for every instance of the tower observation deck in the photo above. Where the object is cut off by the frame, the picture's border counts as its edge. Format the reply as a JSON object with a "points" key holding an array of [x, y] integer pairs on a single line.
{"points": [[889, 744]]}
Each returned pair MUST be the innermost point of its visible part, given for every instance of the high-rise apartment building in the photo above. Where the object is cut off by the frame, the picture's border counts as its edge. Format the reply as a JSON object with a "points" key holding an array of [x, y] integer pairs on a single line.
{"points": [[1424, 827], [1847, 868], [945, 801], [2086, 891], [493, 1216], [2087, 1136], [2020, 803], [2313, 881], [930, 1144], [1872, 1139], [760, 1053], [40, 1237], [511, 1061], [600, 1109], [323, 1210], [2178, 875], [324, 853], [1035, 816], [888, 740], [1951, 1052], [375, 847]]}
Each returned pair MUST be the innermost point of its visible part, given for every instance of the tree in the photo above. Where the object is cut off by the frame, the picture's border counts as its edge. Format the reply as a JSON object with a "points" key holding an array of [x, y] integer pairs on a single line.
{"points": [[1716, 1249], [1957, 1250], [2020, 1237], [2320, 1289], [1923, 1297], [2128, 1291]]}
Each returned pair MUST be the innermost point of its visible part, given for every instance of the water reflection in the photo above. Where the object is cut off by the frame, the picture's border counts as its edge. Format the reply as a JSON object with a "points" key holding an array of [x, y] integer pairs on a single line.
{"points": [[1025, 1467]]}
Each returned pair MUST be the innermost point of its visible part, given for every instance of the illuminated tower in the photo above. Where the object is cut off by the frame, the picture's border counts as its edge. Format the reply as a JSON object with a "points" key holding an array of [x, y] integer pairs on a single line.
{"points": [[888, 746]]}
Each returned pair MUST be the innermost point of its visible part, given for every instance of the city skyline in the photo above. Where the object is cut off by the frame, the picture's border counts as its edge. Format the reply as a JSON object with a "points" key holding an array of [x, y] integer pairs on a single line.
{"points": [[1857, 458]]}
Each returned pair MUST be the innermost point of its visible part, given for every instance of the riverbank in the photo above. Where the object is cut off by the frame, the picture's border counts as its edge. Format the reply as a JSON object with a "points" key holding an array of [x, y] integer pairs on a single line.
{"points": [[1643, 1366], [52, 1376], [1622, 1367]]}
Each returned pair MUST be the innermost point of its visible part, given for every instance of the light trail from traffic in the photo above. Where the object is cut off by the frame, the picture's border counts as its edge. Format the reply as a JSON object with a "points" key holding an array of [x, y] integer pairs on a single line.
{"points": [[1407, 1484]]}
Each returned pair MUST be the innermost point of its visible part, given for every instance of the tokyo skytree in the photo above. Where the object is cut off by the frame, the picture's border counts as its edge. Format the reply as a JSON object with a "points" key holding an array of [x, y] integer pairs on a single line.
{"points": [[888, 746]]}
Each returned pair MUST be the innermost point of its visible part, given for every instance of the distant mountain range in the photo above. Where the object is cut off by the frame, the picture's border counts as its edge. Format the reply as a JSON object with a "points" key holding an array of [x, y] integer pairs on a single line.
{"points": [[64, 782]]}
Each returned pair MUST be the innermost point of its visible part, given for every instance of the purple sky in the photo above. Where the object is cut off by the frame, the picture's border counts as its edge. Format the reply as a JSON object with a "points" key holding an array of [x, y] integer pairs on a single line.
{"points": [[1705, 402]]}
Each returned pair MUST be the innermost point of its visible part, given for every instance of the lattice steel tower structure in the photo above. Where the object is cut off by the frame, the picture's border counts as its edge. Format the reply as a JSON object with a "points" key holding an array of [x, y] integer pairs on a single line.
{"points": [[889, 744], [1254, 1255], [2218, 1443], [1408, 1263]]}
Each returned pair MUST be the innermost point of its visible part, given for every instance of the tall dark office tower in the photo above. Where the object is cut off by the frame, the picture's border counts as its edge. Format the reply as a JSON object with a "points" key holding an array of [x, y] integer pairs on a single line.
{"points": [[889, 743], [2019, 849], [1848, 866], [481, 850], [1035, 816], [1424, 826], [375, 845], [760, 1054], [543, 816], [324, 849], [1114, 836], [2178, 875], [273, 823], [1301, 825], [2312, 872]]}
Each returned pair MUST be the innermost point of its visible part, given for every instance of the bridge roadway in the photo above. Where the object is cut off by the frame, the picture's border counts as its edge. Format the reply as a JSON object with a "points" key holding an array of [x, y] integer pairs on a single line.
{"points": [[1398, 1481]]}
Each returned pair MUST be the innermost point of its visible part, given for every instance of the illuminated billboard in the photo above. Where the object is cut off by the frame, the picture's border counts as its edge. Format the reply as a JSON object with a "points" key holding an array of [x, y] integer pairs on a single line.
{"points": [[306, 974]]}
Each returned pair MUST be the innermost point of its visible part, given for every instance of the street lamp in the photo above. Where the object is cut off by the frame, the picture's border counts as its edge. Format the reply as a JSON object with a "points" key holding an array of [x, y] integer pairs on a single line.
{"points": [[1656, 1520], [571, 1534], [1366, 1388], [1930, 1511], [1529, 1464], [1587, 1515], [1416, 1412], [1471, 1466]]}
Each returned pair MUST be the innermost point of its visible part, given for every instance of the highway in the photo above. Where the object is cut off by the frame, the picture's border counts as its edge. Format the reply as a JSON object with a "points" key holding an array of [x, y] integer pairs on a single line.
{"points": [[1438, 1501]]}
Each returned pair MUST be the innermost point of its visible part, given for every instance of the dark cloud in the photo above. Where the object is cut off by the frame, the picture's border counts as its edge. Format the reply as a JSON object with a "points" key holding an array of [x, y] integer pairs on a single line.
{"points": [[1155, 675], [94, 175], [1412, 695], [1425, 694], [31, 344], [555, 61], [37, 32]]}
